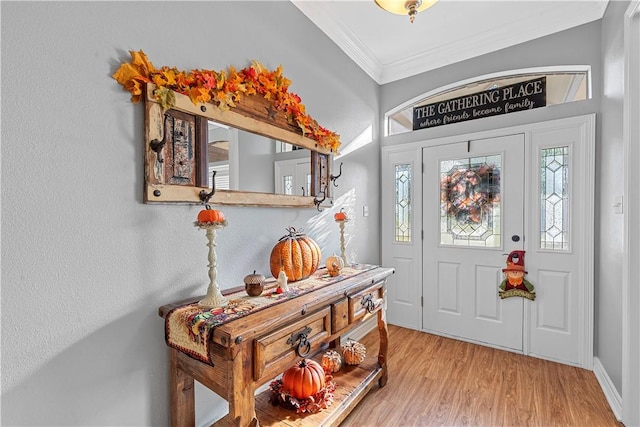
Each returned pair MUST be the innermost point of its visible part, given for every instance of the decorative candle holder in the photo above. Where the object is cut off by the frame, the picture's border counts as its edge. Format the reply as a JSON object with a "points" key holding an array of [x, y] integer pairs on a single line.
{"points": [[214, 297], [341, 218]]}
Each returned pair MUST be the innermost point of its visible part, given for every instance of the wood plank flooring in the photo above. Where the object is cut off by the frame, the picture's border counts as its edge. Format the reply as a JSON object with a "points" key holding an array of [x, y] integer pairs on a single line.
{"points": [[437, 381]]}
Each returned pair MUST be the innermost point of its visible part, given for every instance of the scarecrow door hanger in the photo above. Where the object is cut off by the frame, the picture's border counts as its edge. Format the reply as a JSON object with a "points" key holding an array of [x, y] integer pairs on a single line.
{"points": [[515, 283]]}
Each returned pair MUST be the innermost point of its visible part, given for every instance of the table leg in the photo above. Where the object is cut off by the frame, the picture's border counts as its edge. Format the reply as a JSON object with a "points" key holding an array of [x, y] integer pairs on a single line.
{"points": [[241, 399], [182, 395], [384, 344]]}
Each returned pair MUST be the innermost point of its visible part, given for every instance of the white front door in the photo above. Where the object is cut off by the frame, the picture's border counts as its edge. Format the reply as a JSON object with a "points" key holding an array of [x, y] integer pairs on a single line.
{"points": [[293, 177], [473, 215], [449, 258]]}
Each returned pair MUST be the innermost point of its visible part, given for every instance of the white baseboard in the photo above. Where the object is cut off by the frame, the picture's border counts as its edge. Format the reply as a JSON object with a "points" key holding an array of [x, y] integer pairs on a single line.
{"points": [[610, 392]]}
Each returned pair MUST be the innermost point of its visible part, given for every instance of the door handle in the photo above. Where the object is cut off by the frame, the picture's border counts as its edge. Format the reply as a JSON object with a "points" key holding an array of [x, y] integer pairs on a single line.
{"points": [[515, 238]]}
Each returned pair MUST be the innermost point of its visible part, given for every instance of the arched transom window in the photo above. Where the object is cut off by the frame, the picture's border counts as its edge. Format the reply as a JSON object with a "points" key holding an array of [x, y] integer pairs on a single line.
{"points": [[483, 96]]}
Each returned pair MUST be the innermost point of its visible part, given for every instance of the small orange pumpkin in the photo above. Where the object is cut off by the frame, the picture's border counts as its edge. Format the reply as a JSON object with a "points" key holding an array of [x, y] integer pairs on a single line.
{"points": [[340, 216], [304, 379], [210, 215], [334, 264], [296, 254]]}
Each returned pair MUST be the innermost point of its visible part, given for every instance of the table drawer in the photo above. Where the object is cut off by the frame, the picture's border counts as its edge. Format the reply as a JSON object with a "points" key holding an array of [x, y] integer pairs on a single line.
{"points": [[339, 315], [277, 351], [368, 300]]}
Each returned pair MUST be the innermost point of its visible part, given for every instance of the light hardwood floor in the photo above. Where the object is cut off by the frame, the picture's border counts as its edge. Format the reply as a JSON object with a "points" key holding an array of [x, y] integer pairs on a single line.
{"points": [[437, 381]]}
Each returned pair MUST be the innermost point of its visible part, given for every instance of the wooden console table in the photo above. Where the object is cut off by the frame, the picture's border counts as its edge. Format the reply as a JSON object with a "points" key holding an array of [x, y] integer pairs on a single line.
{"points": [[251, 351]]}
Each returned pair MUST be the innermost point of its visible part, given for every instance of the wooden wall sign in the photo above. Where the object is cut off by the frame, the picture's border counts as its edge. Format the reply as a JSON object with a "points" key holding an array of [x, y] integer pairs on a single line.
{"points": [[503, 100]]}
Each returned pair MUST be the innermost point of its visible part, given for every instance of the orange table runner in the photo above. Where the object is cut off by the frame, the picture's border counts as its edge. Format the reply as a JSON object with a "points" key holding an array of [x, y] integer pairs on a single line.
{"points": [[188, 328]]}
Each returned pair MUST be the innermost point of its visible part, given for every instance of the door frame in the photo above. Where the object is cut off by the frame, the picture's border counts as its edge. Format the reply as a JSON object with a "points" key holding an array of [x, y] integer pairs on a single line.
{"points": [[631, 269], [587, 122]]}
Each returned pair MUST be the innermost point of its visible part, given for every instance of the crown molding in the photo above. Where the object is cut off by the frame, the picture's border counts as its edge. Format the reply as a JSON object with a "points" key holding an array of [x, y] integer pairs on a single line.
{"points": [[560, 16], [338, 31]]}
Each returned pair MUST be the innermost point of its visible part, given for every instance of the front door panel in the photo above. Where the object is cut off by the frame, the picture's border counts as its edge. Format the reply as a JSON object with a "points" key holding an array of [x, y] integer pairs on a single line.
{"points": [[473, 207]]}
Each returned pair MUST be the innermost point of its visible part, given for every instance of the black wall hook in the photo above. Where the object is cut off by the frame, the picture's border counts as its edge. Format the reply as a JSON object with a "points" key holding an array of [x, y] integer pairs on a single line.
{"points": [[157, 145], [317, 201], [204, 196], [334, 178]]}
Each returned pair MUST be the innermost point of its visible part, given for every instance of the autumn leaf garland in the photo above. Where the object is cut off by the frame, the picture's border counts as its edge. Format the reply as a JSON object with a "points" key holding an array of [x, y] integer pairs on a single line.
{"points": [[223, 88]]}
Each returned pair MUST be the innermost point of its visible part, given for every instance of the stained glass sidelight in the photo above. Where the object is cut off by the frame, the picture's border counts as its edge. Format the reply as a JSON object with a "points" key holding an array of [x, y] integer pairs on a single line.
{"points": [[470, 202], [554, 198], [403, 203]]}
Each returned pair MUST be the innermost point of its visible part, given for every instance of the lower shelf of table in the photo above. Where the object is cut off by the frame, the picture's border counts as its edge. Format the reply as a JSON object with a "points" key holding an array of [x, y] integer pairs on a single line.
{"points": [[352, 385]]}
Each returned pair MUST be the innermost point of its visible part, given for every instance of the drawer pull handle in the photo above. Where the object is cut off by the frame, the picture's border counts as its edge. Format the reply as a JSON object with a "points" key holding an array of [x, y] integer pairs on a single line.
{"points": [[304, 346], [370, 304]]}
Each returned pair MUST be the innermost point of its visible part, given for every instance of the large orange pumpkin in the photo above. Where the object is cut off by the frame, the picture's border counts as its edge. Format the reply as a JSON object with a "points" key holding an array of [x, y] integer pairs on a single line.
{"points": [[304, 379], [296, 254]]}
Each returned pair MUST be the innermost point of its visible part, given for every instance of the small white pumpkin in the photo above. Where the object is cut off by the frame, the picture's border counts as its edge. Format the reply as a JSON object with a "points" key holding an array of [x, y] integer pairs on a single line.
{"points": [[332, 361], [335, 264], [353, 352]]}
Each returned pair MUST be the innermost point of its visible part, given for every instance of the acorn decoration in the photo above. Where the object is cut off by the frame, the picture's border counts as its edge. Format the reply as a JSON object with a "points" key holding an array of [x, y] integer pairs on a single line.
{"points": [[331, 361], [353, 352], [254, 284]]}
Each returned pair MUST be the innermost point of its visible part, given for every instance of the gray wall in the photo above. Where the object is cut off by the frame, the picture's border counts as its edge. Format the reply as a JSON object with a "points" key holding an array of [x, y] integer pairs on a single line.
{"points": [[85, 264], [609, 181]]}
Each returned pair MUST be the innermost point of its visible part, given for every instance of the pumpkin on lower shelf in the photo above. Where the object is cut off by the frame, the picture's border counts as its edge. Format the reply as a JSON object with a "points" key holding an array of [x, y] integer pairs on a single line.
{"points": [[304, 379], [331, 361], [353, 352], [296, 254]]}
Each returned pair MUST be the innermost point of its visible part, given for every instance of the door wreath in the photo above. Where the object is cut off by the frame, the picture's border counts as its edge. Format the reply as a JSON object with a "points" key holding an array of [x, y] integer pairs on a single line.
{"points": [[466, 193]]}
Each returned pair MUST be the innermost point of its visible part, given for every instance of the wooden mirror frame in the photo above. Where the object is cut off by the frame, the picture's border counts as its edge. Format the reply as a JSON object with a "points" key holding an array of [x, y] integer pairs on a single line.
{"points": [[168, 182]]}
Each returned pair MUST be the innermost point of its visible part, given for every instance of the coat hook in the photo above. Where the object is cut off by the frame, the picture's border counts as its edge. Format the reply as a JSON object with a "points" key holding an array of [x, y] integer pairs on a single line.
{"points": [[334, 178], [317, 201], [158, 145], [204, 196]]}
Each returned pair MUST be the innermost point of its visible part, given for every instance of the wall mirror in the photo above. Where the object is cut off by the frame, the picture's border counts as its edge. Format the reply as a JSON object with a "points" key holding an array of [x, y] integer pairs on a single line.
{"points": [[258, 158], [244, 161]]}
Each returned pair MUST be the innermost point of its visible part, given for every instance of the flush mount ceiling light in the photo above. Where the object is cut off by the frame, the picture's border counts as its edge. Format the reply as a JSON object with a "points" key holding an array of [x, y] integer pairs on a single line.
{"points": [[405, 7]]}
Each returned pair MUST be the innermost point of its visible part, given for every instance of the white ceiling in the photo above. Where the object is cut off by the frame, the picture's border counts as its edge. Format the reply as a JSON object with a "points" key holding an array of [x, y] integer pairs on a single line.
{"points": [[388, 47]]}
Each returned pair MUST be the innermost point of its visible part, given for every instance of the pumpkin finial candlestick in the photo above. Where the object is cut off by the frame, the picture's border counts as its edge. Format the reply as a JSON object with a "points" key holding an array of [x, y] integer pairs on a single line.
{"points": [[341, 218], [214, 297]]}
